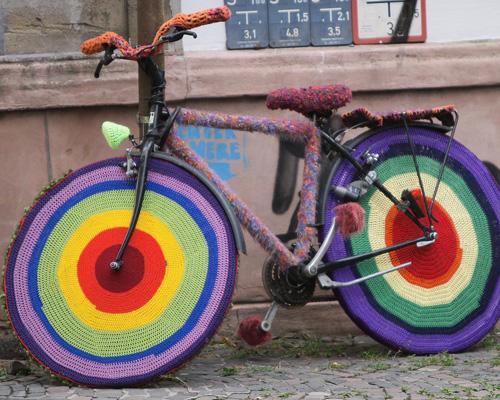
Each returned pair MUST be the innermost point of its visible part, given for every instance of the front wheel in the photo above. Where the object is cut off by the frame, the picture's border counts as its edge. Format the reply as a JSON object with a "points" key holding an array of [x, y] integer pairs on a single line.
{"points": [[99, 327], [448, 299]]}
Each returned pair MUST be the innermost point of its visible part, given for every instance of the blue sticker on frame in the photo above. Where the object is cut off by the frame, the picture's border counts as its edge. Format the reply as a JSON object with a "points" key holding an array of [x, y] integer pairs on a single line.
{"points": [[247, 28], [331, 22]]}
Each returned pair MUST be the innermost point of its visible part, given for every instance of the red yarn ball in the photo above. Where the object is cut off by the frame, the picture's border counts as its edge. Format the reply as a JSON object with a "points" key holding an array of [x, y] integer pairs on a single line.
{"points": [[349, 219], [251, 332]]}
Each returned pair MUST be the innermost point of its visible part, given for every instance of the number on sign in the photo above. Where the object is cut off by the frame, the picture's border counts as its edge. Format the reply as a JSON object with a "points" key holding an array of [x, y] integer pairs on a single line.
{"points": [[334, 31], [250, 34], [390, 27], [341, 16]]}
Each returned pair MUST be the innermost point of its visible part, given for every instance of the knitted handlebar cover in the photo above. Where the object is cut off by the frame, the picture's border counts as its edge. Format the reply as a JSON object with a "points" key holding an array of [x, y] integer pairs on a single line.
{"points": [[184, 21]]}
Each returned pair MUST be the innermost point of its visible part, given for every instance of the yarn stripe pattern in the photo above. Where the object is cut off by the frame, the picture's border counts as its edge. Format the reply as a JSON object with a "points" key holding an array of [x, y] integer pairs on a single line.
{"points": [[449, 298], [100, 327]]}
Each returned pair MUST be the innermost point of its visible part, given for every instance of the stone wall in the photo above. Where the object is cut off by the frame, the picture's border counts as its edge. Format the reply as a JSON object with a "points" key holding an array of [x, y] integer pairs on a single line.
{"points": [[59, 26], [38, 26]]}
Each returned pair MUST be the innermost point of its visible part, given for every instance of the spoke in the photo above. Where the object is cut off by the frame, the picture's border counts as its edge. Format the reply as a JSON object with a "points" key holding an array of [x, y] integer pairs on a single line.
{"points": [[347, 155], [445, 159], [415, 162]]}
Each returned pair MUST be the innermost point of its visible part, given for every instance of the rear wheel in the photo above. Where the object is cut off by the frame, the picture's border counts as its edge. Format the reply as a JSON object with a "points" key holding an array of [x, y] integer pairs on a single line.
{"points": [[100, 327], [448, 299]]}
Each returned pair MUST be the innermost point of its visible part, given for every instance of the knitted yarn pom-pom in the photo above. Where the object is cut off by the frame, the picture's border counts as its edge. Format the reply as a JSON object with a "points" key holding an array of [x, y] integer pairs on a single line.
{"points": [[251, 333], [350, 219]]}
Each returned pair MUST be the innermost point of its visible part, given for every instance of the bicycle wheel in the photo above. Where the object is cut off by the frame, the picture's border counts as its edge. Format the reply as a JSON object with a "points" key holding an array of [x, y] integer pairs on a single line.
{"points": [[448, 299], [99, 327]]}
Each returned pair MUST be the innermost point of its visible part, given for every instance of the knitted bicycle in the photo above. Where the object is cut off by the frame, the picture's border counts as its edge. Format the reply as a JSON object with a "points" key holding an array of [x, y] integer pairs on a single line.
{"points": [[124, 269]]}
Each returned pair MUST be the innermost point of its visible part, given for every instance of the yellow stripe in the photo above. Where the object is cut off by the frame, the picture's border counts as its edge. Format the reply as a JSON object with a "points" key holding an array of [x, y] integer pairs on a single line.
{"points": [[82, 308], [441, 294]]}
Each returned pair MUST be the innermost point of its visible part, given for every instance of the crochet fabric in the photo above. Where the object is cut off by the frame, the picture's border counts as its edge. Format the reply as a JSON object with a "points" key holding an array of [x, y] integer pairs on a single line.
{"points": [[449, 298], [100, 327], [183, 21], [319, 100], [364, 117]]}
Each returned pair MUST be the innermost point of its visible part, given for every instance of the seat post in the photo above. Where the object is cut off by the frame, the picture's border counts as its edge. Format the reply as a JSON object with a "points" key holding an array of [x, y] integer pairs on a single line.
{"points": [[150, 15]]}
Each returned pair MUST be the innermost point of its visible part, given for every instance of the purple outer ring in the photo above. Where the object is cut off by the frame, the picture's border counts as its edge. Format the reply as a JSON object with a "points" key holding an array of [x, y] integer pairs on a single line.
{"points": [[354, 300]]}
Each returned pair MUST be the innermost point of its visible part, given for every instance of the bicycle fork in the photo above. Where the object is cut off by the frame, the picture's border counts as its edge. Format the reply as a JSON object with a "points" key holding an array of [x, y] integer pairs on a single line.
{"points": [[140, 189]]}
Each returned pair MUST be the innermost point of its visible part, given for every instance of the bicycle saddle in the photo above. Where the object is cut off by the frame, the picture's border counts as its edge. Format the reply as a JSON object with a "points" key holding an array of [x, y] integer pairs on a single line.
{"points": [[319, 100]]}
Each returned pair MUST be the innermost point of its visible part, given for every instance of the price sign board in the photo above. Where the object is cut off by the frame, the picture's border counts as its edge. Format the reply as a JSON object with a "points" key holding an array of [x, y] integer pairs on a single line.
{"points": [[389, 21], [289, 24], [331, 22], [247, 28]]}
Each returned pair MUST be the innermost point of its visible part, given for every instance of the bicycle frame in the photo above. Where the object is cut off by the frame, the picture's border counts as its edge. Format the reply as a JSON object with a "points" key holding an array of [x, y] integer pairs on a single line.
{"points": [[305, 132]]}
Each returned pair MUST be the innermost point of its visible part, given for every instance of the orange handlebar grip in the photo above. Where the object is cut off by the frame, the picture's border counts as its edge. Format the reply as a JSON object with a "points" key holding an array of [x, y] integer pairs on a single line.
{"points": [[96, 44], [193, 20]]}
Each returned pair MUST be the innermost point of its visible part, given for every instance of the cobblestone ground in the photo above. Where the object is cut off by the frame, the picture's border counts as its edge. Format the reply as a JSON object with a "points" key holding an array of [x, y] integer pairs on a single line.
{"points": [[305, 368]]}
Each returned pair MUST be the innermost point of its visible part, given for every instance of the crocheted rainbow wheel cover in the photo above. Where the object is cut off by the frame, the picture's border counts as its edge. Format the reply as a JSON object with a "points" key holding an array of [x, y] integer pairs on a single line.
{"points": [[100, 327], [448, 299]]}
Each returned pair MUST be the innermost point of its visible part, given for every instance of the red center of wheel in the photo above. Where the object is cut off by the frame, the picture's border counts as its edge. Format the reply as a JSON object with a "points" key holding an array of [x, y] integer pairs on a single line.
{"points": [[134, 284], [130, 274], [434, 264]]}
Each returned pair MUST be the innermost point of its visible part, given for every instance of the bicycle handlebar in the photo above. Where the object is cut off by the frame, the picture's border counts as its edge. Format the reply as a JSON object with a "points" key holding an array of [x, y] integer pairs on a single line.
{"points": [[182, 21]]}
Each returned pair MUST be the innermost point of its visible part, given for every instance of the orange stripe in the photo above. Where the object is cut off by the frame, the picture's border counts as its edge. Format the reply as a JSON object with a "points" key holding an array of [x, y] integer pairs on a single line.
{"points": [[423, 264]]}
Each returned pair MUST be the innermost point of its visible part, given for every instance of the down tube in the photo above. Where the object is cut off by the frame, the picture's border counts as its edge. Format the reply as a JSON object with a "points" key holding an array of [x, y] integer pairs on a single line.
{"points": [[300, 131]]}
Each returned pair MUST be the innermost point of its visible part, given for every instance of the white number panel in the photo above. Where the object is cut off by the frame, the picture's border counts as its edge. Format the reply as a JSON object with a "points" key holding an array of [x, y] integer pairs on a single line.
{"points": [[389, 21]]}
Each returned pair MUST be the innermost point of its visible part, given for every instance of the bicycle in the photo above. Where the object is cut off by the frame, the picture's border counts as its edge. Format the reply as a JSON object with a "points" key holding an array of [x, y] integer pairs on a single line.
{"points": [[123, 270]]}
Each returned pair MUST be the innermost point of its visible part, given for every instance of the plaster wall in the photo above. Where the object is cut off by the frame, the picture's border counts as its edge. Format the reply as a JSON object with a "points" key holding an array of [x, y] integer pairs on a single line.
{"points": [[49, 143]]}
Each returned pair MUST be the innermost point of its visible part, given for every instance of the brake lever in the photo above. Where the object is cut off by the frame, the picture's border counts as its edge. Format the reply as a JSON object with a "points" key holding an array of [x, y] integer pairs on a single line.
{"points": [[177, 35], [106, 59]]}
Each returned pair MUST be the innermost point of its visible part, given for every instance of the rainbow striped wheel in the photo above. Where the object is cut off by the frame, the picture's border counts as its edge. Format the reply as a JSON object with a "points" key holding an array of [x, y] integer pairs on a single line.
{"points": [[448, 299], [100, 327]]}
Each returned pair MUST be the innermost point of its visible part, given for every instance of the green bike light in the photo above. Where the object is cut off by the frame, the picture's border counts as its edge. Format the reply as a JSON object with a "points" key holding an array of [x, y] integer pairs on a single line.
{"points": [[115, 134]]}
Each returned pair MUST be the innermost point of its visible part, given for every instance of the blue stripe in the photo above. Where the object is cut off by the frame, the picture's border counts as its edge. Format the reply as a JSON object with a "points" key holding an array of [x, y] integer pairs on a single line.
{"points": [[191, 322]]}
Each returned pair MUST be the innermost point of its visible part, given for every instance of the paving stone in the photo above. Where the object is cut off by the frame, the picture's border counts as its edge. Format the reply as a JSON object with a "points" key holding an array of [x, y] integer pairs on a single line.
{"points": [[78, 397], [317, 395], [18, 393], [267, 377], [297, 396], [239, 396], [111, 393]]}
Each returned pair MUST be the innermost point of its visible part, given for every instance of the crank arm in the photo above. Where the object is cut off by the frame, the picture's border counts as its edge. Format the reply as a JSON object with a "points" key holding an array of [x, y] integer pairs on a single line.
{"points": [[266, 323], [326, 283]]}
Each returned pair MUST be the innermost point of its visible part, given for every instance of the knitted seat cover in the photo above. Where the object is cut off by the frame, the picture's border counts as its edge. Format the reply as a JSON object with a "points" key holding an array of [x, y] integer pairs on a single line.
{"points": [[449, 298], [100, 327], [319, 100]]}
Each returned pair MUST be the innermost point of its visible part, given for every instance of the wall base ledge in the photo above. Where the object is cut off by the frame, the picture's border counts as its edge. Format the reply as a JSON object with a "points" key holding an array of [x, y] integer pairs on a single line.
{"points": [[55, 83]]}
